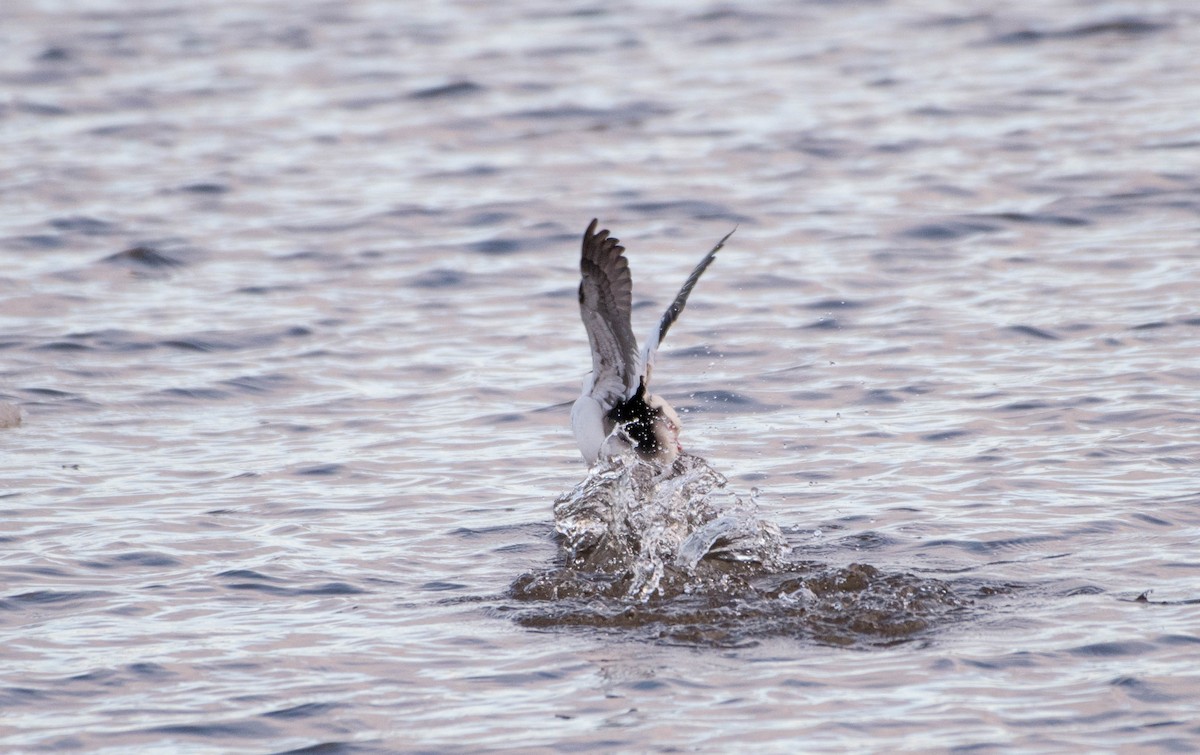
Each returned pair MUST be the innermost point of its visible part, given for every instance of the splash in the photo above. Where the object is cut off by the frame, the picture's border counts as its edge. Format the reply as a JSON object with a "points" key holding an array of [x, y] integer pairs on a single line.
{"points": [[645, 523], [668, 552]]}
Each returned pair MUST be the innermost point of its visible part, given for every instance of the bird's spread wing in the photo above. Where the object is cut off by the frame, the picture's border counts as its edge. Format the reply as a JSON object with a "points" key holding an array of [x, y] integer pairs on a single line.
{"points": [[605, 300], [672, 314]]}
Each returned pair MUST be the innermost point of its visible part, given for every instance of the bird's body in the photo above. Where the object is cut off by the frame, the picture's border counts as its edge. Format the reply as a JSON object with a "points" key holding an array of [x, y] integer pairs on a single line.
{"points": [[616, 410]]}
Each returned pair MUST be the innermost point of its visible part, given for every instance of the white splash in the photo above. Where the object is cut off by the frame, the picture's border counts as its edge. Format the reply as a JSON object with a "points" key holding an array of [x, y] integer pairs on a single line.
{"points": [[645, 520]]}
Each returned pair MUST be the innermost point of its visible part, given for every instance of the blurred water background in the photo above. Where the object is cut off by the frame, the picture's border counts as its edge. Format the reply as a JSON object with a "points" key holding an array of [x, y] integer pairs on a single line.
{"points": [[287, 307]]}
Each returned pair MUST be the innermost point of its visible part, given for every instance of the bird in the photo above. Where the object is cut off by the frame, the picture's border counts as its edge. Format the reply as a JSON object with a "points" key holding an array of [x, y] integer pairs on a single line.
{"points": [[616, 410]]}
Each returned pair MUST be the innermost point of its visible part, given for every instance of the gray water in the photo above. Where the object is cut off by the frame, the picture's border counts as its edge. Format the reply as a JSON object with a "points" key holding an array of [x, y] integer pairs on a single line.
{"points": [[287, 307]]}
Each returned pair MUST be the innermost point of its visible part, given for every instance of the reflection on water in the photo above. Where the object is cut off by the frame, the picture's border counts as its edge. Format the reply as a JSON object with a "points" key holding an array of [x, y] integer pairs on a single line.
{"points": [[287, 310]]}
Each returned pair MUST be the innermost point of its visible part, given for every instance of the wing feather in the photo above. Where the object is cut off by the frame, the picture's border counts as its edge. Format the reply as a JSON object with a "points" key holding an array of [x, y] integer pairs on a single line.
{"points": [[650, 349], [605, 302]]}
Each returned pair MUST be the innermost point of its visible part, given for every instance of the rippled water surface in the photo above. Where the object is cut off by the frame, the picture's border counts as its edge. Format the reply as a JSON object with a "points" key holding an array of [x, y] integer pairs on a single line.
{"points": [[287, 310]]}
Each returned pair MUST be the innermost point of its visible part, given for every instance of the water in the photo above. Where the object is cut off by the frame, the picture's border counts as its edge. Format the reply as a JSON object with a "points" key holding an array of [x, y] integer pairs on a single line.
{"points": [[287, 307]]}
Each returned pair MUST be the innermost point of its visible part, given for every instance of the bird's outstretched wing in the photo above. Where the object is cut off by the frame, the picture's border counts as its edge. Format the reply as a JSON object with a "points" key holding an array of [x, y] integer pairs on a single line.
{"points": [[605, 301], [650, 349]]}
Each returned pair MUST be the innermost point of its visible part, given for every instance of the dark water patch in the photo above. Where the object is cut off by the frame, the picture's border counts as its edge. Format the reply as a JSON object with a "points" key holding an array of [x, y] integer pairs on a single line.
{"points": [[1149, 519], [867, 541], [879, 396], [38, 241], [900, 147], [257, 383], [1034, 218], [825, 323], [1141, 690], [1193, 321], [453, 89], [828, 304], [112, 340], [947, 231], [1112, 649], [194, 394], [497, 246], [473, 171], [1075, 592], [145, 558], [209, 188], [728, 14], [99, 676], [55, 54], [499, 419], [701, 402], [626, 114], [309, 255], [823, 147], [439, 278], [488, 218], [143, 257], [61, 346], [1029, 330], [365, 103], [49, 597], [141, 131], [1125, 27], [694, 209], [195, 345], [810, 396], [722, 397], [40, 108], [1151, 325], [516, 548], [82, 224], [237, 729], [16, 696], [234, 341], [562, 51], [770, 281], [1024, 406], [1131, 417], [1183, 144], [944, 435], [439, 586], [1016, 660], [306, 710], [319, 470], [329, 588], [148, 559], [329, 227], [263, 290], [539, 530], [990, 547], [335, 748], [149, 670], [39, 570], [247, 574]]}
